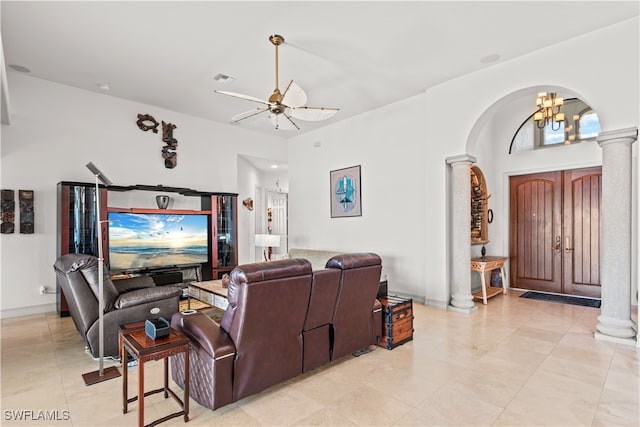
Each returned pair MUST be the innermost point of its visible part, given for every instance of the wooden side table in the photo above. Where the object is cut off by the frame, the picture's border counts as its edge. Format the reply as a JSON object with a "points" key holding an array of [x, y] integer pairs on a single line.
{"points": [[134, 340], [489, 263]]}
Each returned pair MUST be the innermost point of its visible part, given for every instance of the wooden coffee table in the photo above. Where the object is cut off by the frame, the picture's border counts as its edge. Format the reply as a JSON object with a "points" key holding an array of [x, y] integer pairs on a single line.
{"points": [[134, 340], [211, 292]]}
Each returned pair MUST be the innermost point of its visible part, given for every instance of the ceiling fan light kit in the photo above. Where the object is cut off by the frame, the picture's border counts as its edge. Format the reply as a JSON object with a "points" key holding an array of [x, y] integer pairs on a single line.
{"points": [[290, 104]]}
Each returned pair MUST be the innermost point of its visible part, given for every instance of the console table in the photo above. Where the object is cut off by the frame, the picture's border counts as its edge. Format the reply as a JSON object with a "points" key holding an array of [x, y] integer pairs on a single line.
{"points": [[134, 340], [489, 263]]}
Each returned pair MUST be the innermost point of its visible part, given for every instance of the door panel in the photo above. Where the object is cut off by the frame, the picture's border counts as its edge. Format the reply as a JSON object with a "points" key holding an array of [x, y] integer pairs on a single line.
{"points": [[555, 231], [535, 225], [582, 195]]}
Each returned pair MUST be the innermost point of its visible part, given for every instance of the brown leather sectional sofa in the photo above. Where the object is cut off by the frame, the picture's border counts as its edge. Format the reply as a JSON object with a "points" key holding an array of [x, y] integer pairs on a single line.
{"points": [[283, 319]]}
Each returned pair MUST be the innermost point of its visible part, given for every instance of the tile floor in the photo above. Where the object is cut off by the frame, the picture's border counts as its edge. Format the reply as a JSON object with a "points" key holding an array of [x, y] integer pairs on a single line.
{"points": [[514, 362]]}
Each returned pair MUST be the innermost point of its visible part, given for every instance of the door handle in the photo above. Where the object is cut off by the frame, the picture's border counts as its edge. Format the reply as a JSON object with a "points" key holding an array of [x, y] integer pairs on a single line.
{"points": [[557, 247], [567, 244]]}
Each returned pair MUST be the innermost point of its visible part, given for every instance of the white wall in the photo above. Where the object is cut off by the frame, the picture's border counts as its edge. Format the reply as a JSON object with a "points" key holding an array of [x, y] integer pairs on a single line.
{"points": [[57, 129], [249, 177], [402, 149], [390, 146]]}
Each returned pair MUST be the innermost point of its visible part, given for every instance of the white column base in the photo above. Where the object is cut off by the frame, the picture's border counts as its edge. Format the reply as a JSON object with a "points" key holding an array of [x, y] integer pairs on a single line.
{"points": [[467, 310], [616, 328], [625, 341], [462, 303]]}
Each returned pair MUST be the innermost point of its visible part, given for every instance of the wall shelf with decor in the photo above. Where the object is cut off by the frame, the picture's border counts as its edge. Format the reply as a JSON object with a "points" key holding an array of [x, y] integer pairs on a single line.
{"points": [[479, 208], [77, 228]]}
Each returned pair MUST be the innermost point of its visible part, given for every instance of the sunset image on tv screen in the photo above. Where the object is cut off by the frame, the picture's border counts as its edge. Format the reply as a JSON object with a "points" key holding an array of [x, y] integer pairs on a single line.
{"points": [[138, 241]]}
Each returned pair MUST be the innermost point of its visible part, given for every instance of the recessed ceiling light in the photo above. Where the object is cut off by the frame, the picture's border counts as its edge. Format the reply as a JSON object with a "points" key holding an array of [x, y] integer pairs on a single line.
{"points": [[223, 78], [19, 68], [103, 86], [490, 59], [274, 166]]}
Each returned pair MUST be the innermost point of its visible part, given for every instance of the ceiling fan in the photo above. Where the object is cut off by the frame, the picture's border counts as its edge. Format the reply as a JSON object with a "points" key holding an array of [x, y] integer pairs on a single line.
{"points": [[283, 107]]}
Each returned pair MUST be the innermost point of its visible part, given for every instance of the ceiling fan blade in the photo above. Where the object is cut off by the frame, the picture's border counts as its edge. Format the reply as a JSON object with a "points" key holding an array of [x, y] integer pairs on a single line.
{"points": [[290, 120], [313, 114], [283, 121], [248, 114], [294, 96], [241, 96]]}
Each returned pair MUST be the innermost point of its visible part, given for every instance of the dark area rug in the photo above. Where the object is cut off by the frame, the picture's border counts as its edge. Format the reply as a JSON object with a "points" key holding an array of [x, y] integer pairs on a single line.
{"points": [[563, 299]]}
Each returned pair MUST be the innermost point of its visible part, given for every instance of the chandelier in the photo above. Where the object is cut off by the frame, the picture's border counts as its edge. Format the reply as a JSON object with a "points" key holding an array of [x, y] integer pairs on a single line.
{"points": [[548, 111]]}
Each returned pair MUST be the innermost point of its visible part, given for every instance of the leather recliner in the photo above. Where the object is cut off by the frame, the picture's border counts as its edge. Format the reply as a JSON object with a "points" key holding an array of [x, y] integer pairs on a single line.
{"points": [[259, 340], [280, 322], [131, 300], [357, 319]]}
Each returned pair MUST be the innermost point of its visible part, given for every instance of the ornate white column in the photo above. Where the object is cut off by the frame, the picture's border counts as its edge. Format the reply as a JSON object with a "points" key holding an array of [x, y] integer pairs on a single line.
{"points": [[461, 298], [614, 322]]}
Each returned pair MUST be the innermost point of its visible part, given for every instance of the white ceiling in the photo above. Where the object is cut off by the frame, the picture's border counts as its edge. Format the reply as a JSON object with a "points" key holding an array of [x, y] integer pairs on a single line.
{"points": [[353, 55]]}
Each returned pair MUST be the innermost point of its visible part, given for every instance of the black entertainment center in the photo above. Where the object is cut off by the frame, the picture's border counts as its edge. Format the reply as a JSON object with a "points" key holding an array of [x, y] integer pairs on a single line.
{"points": [[172, 246]]}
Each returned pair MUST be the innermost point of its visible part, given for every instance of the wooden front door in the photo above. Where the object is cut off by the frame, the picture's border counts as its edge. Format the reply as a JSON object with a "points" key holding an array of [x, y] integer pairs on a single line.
{"points": [[555, 231]]}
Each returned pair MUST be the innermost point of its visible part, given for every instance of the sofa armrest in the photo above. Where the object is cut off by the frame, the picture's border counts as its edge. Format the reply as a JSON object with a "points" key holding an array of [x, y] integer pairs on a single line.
{"points": [[141, 296], [208, 335], [130, 284], [211, 357]]}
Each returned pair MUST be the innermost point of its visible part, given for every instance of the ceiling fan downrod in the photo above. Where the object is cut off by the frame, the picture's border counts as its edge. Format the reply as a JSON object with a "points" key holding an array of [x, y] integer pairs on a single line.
{"points": [[277, 40]]}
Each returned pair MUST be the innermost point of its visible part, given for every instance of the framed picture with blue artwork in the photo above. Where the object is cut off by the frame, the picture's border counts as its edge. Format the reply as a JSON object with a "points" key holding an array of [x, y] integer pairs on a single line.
{"points": [[346, 193]]}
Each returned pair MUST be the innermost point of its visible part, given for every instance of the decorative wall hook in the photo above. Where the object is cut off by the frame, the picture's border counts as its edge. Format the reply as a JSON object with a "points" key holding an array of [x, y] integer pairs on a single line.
{"points": [[248, 203]]}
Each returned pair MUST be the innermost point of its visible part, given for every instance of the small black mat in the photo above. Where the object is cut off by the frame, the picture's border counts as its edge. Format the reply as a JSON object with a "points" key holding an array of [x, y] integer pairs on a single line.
{"points": [[564, 299]]}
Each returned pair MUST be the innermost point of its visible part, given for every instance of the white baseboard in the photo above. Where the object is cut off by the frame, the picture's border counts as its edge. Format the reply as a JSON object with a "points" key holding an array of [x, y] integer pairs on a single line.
{"points": [[436, 303], [27, 311]]}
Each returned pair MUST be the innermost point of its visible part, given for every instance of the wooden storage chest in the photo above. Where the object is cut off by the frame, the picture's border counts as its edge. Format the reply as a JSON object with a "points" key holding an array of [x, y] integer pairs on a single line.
{"points": [[397, 321]]}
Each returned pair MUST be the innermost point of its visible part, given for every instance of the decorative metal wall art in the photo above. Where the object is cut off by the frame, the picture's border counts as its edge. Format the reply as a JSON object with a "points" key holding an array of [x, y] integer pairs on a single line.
{"points": [[147, 122], [26, 211], [168, 151], [7, 210], [346, 193]]}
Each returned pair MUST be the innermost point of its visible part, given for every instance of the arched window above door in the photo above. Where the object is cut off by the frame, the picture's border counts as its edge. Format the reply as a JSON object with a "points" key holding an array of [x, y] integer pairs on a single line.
{"points": [[580, 124]]}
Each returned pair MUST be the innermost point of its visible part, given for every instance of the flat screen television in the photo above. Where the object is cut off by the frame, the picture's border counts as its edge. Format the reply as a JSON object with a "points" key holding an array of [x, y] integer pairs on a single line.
{"points": [[141, 241]]}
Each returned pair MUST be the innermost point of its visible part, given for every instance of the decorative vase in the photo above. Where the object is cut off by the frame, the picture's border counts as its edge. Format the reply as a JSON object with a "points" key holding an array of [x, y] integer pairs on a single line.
{"points": [[483, 252], [162, 201]]}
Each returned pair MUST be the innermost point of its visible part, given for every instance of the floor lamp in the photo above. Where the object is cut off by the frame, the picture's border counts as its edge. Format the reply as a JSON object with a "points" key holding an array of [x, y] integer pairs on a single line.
{"points": [[101, 374]]}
